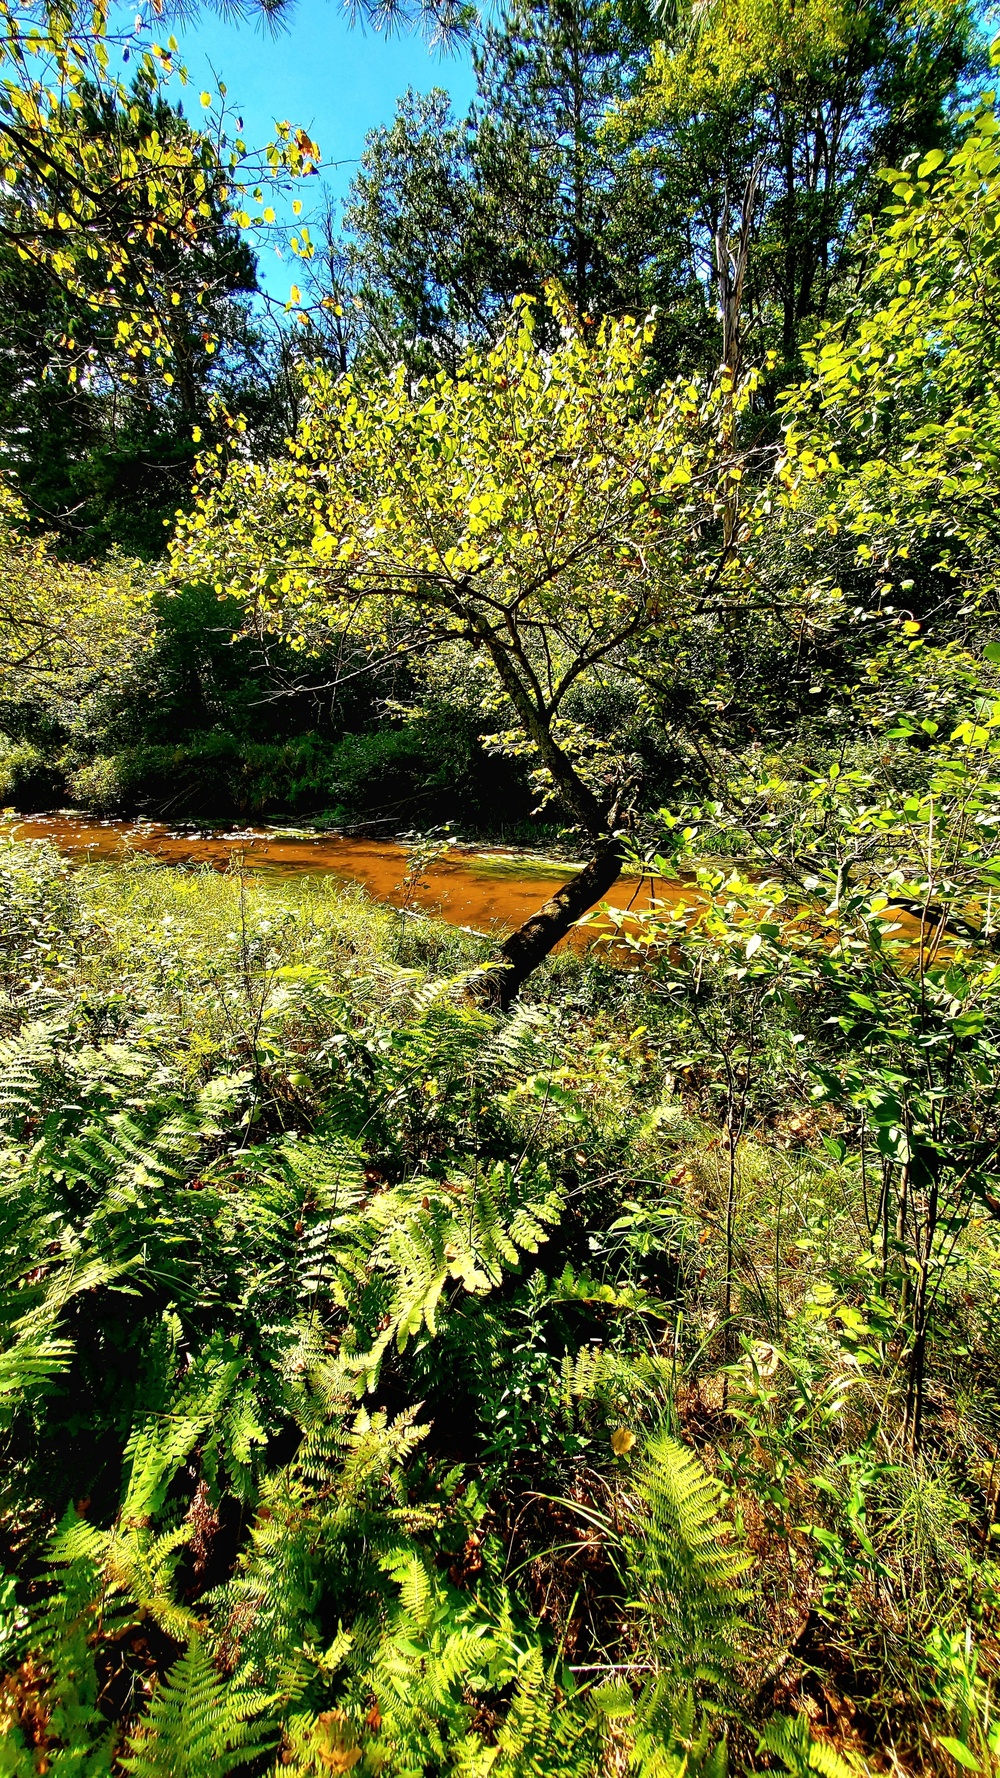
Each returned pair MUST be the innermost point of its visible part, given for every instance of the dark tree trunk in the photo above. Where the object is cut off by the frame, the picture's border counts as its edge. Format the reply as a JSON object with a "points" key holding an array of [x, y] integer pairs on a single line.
{"points": [[526, 948], [531, 943]]}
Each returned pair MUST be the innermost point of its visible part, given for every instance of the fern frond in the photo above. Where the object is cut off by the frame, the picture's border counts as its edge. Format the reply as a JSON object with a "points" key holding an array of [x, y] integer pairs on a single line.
{"points": [[194, 1727], [546, 1733], [34, 1357], [790, 1739], [683, 1564], [330, 1170], [23, 1060], [668, 1741], [31, 1348], [470, 1230], [376, 1446], [158, 1447], [447, 991]]}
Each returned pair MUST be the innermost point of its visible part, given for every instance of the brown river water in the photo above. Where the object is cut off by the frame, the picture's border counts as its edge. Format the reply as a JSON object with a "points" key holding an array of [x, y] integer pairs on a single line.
{"points": [[487, 891]]}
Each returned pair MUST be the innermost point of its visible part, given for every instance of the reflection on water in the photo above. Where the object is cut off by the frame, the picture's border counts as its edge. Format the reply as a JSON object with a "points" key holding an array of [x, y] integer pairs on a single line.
{"points": [[481, 890]]}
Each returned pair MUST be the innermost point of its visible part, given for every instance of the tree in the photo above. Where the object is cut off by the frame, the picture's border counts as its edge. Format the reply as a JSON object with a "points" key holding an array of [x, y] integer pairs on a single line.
{"points": [[428, 260], [91, 180], [898, 1026], [450, 219], [105, 193], [61, 625], [544, 509], [112, 203], [441, 21], [905, 387], [721, 170], [546, 80], [101, 443], [769, 118]]}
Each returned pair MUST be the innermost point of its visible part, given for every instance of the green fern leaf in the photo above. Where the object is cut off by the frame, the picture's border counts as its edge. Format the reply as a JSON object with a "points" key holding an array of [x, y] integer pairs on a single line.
{"points": [[194, 1726], [791, 1740], [683, 1563]]}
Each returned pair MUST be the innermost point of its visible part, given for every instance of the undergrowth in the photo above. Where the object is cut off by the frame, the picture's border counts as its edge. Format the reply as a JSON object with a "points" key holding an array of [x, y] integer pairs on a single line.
{"points": [[367, 1394]]}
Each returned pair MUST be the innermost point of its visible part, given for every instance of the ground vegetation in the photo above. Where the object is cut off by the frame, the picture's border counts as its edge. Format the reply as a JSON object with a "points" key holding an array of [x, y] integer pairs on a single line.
{"points": [[630, 1350]]}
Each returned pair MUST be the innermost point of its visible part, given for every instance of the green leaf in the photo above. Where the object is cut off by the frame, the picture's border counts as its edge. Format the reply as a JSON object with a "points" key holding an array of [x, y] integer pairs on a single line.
{"points": [[958, 1750]]}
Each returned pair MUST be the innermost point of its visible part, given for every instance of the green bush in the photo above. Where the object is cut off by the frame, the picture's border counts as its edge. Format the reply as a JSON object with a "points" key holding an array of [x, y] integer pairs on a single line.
{"points": [[28, 778], [381, 777], [99, 785]]}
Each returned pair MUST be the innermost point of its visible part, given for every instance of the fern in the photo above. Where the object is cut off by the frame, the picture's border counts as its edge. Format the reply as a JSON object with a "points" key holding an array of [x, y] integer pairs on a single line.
{"points": [[546, 1729], [468, 1231], [448, 991], [683, 1565], [194, 1726], [790, 1739], [135, 1561], [59, 1681], [659, 1735], [23, 1061], [341, 1493], [215, 1242], [34, 1357], [611, 1376], [522, 1046], [329, 1177], [32, 1349]]}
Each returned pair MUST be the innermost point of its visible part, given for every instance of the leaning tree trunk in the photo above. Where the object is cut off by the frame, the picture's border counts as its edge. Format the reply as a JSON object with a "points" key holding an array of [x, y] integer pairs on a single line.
{"points": [[526, 948], [531, 943]]}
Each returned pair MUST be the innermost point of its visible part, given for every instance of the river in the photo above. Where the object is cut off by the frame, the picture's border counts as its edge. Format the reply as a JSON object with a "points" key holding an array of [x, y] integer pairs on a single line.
{"points": [[488, 891]]}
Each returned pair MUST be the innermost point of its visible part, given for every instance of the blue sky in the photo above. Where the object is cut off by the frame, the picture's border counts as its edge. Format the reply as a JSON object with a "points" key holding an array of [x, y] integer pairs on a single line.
{"points": [[334, 80]]}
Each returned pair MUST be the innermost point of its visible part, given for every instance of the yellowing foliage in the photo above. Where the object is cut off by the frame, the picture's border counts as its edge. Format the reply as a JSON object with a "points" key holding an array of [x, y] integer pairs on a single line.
{"points": [[734, 45], [97, 184], [545, 506], [61, 623], [908, 392]]}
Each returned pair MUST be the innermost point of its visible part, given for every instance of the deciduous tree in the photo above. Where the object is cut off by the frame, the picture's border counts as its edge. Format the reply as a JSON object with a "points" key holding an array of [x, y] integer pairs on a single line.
{"points": [[544, 508], [906, 386], [100, 440], [61, 625]]}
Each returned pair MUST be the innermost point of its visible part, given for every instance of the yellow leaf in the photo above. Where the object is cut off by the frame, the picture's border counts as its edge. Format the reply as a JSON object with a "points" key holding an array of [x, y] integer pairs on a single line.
{"points": [[622, 1441]]}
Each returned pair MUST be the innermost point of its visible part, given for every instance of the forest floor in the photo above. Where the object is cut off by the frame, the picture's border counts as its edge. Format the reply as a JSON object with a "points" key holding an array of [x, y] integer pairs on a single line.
{"points": [[223, 1098]]}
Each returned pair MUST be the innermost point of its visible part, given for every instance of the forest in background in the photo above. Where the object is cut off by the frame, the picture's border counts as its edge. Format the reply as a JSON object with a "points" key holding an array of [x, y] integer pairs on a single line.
{"points": [[733, 191], [430, 1353]]}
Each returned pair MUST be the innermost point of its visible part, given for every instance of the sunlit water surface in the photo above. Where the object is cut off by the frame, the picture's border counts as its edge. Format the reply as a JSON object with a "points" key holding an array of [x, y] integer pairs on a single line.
{"points": [[487, 891]]}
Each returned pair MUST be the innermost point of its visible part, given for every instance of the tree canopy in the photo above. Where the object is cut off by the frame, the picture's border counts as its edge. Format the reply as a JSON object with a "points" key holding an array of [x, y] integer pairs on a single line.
{"points": [[908, 385], [550, 508]]}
